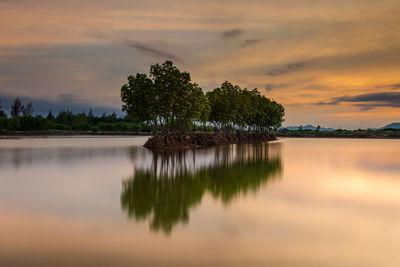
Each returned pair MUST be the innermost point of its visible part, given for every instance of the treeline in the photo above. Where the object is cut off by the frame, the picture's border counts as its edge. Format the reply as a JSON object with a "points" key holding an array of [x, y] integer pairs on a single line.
{"points": [[171, 103], [165, 102], [65, 120]]}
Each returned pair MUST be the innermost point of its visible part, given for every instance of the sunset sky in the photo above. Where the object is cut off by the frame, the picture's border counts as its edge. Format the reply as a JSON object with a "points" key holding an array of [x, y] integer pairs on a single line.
{"points": [[330, 63]]}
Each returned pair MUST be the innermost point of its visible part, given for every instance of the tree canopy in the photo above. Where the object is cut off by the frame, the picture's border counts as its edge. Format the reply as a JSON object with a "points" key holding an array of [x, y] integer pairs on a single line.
{"points": [[170, 102], [236, 108], [167, 99]]}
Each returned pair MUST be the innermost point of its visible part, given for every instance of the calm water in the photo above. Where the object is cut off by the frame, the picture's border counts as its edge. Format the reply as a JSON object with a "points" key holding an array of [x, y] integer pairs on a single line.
{"points": [[109, 202]]}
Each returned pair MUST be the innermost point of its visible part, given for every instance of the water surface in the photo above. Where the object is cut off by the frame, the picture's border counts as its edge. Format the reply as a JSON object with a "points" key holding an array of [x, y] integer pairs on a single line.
{"points": [[107, 201]]}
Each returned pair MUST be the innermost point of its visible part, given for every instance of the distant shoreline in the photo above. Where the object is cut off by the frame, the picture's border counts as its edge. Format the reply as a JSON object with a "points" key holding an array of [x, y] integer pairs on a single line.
{"points": [[5, 135], [294, 134], [352, 135]]}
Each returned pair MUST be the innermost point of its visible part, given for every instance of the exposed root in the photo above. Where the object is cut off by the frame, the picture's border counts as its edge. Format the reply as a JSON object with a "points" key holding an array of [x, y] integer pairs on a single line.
{"points": [[176, 141]]}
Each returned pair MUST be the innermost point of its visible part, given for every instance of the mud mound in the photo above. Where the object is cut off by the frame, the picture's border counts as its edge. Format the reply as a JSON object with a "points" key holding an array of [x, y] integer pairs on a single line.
{"points": [[175, 141]]}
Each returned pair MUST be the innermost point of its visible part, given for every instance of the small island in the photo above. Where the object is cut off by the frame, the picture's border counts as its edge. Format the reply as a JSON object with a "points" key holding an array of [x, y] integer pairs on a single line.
{"points": [[175, 107]]}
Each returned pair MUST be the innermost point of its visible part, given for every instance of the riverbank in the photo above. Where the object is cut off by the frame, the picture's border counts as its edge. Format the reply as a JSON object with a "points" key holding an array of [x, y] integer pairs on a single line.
{"points": [[191, 140]]}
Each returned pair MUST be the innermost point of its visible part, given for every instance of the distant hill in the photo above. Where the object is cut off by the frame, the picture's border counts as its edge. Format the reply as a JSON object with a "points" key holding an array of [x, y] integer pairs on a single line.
{"points": [[308, 127], [395, 125]]}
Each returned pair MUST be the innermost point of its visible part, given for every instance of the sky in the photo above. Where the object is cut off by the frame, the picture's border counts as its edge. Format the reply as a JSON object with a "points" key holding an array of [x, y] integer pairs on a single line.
{"points": [[330, 63]]}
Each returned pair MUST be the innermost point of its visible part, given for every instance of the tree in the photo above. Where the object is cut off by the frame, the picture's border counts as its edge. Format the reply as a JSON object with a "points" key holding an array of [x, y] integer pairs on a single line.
{"points": [[177, 99], [139, 100], [90, 117], [167, 99], [225, 105], [2, 112], [27, 110], [65, 117], [50, 116], [16, 108], [170, 102], [235, 108]]}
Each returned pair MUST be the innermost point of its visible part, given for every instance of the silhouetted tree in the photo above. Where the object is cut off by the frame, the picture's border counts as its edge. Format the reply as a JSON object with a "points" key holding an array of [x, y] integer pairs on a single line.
{"points": [[50, 116], [27, 110], [65, 117], [2, 112], [90, 117], [16, 108]]}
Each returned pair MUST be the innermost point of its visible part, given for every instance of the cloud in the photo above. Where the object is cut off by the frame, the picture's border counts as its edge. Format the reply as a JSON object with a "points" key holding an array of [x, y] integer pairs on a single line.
{"points": [[232, 33], [250, 42], [391, 86], [290, 67], [69, 98], [146, 49], [273, 86], [368, 101], [357, 62]]}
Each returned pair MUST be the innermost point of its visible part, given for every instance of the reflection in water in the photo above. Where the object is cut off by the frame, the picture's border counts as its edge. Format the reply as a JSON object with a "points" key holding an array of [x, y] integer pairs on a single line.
{"points": [[24, 157], [174, 182]]}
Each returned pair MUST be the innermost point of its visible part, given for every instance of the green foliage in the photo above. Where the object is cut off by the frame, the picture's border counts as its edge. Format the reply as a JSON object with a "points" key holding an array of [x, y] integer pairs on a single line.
{"points": [[29, 123], [146, 128], [108, 118], [65, 117], [138, 96], [121, 126], [13, 124], [60, 127], [67, 121], [136, 127], [203, 128], [168, 100], [236, 108], [3, 124], [106, 126], [81, 126], [390, 130]]}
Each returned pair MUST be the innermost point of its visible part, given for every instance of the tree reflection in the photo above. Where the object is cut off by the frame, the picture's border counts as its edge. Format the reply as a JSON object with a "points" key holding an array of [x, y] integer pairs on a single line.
{"points": [[177, 181]]}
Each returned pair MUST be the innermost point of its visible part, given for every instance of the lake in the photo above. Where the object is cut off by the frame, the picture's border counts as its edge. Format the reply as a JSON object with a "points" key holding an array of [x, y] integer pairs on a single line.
{"points": [[107, 201]]}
